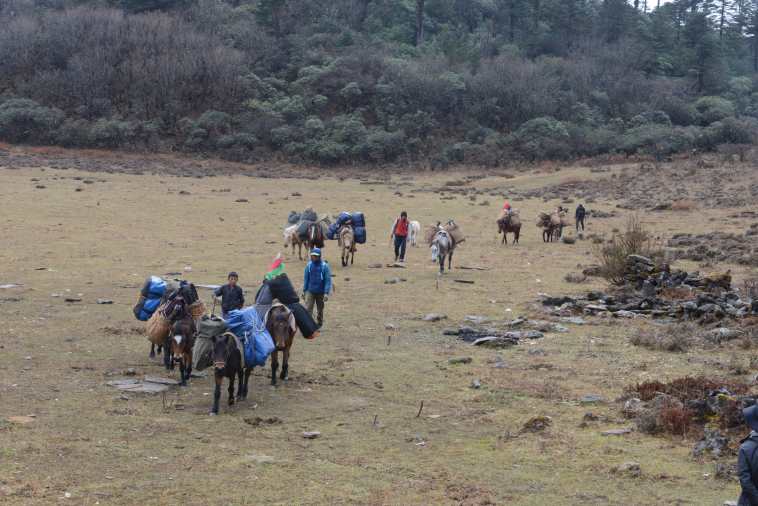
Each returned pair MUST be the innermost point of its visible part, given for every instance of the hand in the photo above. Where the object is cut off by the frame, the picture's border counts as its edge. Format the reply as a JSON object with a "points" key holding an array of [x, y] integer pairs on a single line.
{"points": [[326, 298]]}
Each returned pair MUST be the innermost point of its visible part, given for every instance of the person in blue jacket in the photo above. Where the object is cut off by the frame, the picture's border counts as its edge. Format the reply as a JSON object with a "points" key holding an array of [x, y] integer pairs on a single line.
{"points": [[747, 462], [317, 285]]}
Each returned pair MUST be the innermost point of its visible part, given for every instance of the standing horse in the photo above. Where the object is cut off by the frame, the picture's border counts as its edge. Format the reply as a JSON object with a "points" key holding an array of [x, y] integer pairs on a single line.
{"points": [[551, 224], [291, 239], [347, 243], [280, 323], [414, 229], [227, 363], [509, 223], [181, 342], [444, 245]]}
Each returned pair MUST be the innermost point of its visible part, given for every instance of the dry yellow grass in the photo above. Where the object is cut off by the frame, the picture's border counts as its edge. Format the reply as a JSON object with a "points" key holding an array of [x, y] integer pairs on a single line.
{"points": [[86, 440]]}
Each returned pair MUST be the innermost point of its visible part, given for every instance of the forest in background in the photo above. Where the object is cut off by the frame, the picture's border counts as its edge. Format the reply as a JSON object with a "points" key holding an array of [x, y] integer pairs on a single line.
{"points": [[438, 82]]}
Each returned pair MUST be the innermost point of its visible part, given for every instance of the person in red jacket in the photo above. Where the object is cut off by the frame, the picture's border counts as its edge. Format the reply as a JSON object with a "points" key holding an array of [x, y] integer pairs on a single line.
{"points": [[400, 236]]}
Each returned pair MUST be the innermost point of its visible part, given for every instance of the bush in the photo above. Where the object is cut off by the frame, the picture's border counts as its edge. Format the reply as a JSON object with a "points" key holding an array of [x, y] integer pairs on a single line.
{"points": [[650, 118], [674, 337], [23, 120], [712, 109], [106, 133], [635, 240], [656, 139], [542, 138], [727, 131]]}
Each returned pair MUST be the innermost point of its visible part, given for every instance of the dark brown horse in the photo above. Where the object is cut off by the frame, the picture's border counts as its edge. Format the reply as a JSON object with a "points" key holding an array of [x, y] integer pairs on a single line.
{"points": [[227, 363], [280, 324], [509, 223], [181, 341]]}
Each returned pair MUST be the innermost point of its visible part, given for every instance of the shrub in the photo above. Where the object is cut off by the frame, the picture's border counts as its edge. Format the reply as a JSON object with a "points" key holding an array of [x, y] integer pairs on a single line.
{"points": [[651, 118], [381, 145], [712, 109], [635, 240], [73, 133], [23, 120], [110, 133], [542, 138], [674, 337], [656, 139]]}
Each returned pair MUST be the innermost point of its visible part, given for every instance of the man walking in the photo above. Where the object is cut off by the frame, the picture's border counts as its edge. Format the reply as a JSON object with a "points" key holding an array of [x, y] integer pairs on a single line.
{"points": [[400, 236], [317, 285], [747, 461], [581, 212], [231, 295]]}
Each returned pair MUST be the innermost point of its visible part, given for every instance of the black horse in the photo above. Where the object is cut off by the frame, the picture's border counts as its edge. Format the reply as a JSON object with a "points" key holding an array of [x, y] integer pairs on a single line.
{"points": [[227, 363]]}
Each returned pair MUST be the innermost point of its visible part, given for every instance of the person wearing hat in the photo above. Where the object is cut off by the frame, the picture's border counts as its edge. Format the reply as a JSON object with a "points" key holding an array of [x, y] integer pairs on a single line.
{"points": [[231, 295], [317, 285], [747, 461]]}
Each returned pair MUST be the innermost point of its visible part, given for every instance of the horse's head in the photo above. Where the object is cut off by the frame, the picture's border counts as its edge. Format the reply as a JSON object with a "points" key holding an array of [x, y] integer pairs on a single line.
{"points": [[183, 332], [278, 325], [223, 346]]}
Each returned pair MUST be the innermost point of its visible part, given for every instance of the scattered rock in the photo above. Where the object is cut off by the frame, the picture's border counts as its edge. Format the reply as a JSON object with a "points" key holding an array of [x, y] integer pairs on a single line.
{"points": [[459, 360], [575, 277], [476, 384], [311, 435], [104, 301], [713, 443], [633, 408], [72, 299], [631, 469], [537, 424], [616, 432], [394, 281], [375, 266], [241, 201], [434, 317], [130, 372], [591, 399]]}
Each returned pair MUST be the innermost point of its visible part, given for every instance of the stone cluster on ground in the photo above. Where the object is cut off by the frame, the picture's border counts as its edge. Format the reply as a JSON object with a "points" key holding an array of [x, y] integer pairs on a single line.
{"points": [[504, 333], [717, 247], [655, 290]]}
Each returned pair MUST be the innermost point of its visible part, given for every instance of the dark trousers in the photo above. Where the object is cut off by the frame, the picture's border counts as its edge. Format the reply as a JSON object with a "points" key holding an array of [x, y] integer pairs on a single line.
{"points": [[400, 241], [580, 221], [316, 299]]}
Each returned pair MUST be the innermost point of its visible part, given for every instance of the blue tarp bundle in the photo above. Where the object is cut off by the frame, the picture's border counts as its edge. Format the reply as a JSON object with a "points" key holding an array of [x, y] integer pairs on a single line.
{"points": [[358, 221], [360, 235], [152, 291], [249, 327]]}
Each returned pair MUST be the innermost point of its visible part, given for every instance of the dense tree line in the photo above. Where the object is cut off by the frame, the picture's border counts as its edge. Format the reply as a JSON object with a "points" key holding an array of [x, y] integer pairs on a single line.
{"points": [[346, 81]]}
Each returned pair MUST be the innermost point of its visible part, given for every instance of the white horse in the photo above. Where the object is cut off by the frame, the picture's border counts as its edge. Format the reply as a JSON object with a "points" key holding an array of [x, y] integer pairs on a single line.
{"points": [[414, 229]]}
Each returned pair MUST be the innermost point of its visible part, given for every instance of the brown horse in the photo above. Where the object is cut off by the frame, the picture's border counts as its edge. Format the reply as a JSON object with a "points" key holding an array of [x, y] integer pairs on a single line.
{"points": [[509, 223], [280, 323], [227, 363], [347, 243], [181, 341], [552, 226]]}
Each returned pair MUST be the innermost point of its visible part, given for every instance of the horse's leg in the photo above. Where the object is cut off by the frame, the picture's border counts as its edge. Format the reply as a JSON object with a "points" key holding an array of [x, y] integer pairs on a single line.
{"points": [[188, 361], [450, 260], [167, 354], [441, 259], [274, 366], [231, 389], [152, 350], [248, 371], [240, 384], [183, 382], [217, 393], [285, 363], [352, 257], [516, 233]]}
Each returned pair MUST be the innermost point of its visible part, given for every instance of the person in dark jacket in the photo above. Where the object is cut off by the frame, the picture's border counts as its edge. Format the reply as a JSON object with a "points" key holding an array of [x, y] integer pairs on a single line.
{"points": [[317, 285], [231, 295], [400, 236], [581, 212], [747, 461]]}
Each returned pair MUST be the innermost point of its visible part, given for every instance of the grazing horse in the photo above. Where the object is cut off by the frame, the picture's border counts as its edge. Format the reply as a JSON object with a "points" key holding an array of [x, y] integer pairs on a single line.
{"points": [[347, 243], [227, 363], [444, 245], [509, 223], [181, 342], [291, 239], [280, 323]]}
